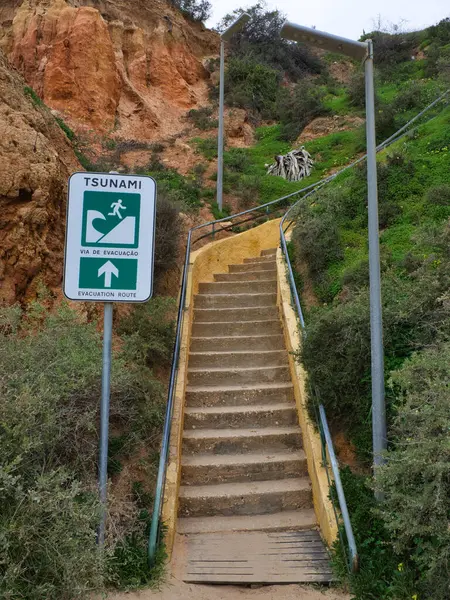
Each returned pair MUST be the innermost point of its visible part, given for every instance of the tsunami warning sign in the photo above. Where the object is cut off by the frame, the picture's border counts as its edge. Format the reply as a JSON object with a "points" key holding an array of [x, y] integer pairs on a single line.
{"points": [[110, 237]]}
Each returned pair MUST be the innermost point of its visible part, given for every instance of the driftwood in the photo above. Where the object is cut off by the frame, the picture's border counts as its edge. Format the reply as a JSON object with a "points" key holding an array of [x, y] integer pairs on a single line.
{"points": [[293, 166]]}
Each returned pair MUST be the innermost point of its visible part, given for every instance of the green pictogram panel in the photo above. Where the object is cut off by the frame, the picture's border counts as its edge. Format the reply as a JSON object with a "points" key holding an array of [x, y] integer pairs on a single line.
{"points": [[108, 274], [111, 219]]}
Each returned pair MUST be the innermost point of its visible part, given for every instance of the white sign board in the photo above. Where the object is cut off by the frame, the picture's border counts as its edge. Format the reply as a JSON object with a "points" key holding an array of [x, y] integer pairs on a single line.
{"points": [[110, 237]]}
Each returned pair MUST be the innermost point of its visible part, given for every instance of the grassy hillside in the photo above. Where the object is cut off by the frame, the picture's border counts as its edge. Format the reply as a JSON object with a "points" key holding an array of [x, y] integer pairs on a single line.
{"points": [[404, 550]]}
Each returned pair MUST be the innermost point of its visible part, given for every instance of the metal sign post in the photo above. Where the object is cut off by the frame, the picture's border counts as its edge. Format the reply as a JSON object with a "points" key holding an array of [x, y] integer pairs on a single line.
{"points": [[109, 258], [104, 417]]}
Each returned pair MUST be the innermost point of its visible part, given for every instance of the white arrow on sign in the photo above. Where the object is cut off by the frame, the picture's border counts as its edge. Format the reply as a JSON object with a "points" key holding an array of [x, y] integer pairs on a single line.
{"points": [[108, 269]]}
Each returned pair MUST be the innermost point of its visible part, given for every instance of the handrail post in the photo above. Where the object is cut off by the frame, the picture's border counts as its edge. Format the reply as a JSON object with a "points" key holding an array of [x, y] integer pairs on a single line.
{"points": [[339, 490]]}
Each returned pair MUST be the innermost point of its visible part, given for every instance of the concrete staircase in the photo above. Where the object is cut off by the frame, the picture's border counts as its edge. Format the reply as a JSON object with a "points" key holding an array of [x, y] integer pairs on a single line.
{"points": [[243, 467]]}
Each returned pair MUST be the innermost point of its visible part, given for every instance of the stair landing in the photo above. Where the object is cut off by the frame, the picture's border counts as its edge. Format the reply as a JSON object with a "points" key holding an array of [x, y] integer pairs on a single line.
{"points": [[245, 512], [259, 557]]}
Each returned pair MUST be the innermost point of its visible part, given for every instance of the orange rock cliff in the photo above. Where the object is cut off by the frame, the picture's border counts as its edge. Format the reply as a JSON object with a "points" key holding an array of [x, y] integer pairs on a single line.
{"points": [[128, 68], [133, 67]]}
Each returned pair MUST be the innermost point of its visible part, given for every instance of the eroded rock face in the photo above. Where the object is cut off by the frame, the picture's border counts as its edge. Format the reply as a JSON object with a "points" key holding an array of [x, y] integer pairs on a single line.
{"points": [[36, 160], [132, 67]]}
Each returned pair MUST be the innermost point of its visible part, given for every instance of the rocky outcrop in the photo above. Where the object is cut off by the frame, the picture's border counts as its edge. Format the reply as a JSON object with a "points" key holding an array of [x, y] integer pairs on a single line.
{"points": [[36, 160], [131, 67]]}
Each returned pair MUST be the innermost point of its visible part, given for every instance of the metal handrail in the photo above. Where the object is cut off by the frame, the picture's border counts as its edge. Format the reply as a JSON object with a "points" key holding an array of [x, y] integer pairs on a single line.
{"points": [[310, 189]]}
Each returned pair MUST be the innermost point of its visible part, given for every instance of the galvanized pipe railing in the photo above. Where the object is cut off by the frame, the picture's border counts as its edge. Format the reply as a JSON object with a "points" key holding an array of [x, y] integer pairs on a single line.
{"points": [[306, 191]]}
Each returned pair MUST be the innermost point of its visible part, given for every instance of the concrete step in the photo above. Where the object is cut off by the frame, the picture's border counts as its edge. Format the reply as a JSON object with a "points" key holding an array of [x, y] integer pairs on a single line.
{"points": [[269, 252], [240, 441], [238, 328], [269, 267], [240, 417], [252, 498], [247, 276], [238, 376], [228, 344], [208, 469], [238, 395], [235, 300], [261, 259], [232, 360], [304, 518], [239, 287], [227, 315]]}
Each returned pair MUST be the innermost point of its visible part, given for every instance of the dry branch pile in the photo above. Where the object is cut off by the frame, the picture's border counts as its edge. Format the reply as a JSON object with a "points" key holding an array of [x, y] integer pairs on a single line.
{"points": [[293, 166]]}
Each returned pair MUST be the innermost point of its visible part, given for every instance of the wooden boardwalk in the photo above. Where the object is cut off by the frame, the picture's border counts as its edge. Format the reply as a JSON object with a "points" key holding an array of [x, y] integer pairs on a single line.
{"points": [[257, 557]]}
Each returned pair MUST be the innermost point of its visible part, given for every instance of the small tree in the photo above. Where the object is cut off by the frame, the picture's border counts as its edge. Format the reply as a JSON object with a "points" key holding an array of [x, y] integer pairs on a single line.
{"points": [[261, 41], [197, 10]]}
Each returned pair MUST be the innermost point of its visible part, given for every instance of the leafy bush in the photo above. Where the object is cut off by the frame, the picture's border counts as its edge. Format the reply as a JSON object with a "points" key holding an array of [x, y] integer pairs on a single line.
{"points": [[197, 10], [261, 42], [150, 328], [69, 132], [50, 374], [317, 241], [357, 89], [167, 233], [297, 107], [440, 33], [336, 352], [416, 478], [439, 195], [385, 120], [28, 91], [392, 48], [207, 147], [182, 191], [237, 159], [415, 95], [251, 85], [201, 118], [383, 575], [248, 189]]}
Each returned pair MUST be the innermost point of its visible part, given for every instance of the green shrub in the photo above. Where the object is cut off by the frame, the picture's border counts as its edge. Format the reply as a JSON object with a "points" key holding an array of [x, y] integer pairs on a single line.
{"points": [[261, 41], [392, 49], [150, 328], [317, 241], [438, 195], [336, 352], [69, 133], [167, 234], [237, 159], [415, 95], [357, 89], [416, 478], [50, 366], [248, 189], [197, 10], [251, 85], [202, 118], [385, 119], [28, 91], [297, 107], [207, 147], [383, 575], [183, 192]]}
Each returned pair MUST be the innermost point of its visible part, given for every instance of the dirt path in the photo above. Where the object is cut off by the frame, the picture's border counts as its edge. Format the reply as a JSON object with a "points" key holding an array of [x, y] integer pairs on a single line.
{"points": [[177, 590]]}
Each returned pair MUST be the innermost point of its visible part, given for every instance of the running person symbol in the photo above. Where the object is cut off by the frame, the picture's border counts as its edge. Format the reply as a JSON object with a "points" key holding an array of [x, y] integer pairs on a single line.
{"points": [[117, 207]]}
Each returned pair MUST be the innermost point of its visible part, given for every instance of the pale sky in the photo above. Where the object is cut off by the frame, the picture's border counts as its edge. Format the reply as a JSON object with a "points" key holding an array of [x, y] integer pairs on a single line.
{"points": [[347, 18]]}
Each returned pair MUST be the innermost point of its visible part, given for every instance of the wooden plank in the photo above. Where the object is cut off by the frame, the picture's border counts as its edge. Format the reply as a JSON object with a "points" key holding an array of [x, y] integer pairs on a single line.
{"points": [[257, 557]]}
